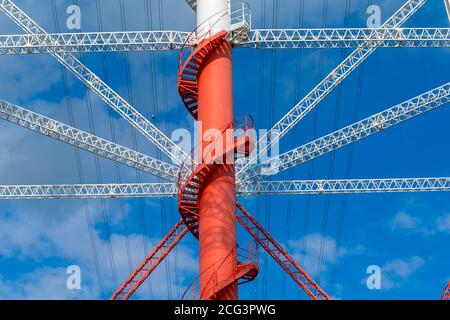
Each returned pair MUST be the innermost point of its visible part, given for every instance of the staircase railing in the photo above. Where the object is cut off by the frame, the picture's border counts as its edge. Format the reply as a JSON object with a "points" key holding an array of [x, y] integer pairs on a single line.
{"points": [[194, 158], [245, 256], [239, 14]]}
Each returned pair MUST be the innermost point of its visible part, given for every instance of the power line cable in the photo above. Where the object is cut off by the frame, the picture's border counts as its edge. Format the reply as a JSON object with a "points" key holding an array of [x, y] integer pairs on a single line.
{"points": [[332, 155], [166, 124], [298, 73], [261, 110], [314, 134], [78, 162], [99, 174], [110, 111], [271, 118], [343, 209], [134, 138]]}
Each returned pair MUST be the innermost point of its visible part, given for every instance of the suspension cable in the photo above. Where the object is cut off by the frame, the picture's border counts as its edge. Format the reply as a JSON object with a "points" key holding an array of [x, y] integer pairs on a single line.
{"points": [[133, 132], [298, 74], [78, 161], [343, 209], [262, 61], [271, 119], [314, 134], [332, 155], [111, 126]]}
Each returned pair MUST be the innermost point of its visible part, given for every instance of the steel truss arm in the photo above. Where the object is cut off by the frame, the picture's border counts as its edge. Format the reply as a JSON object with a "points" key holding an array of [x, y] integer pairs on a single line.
{"points": [[93, 42], [135, 41], [94, 83], [357, 131], [153, 190], [348, 38], [86, 141], [345, 186], [327, 85], [152, 261], [87, 191], [280, 255]]}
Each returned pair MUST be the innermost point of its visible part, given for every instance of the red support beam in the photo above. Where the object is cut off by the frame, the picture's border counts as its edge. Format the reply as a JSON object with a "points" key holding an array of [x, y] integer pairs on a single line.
{"points": [[149, 264], [280, 255], [446, 294]]}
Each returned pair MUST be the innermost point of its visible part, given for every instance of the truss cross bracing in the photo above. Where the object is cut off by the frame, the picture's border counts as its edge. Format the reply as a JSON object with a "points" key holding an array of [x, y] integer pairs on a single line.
{"points": [[135, 41]]}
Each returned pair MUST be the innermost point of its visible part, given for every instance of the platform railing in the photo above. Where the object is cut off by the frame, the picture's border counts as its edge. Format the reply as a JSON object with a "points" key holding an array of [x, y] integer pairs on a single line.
{"points": [[195, 158], [200, 34], [239, 14], [247, 254]]}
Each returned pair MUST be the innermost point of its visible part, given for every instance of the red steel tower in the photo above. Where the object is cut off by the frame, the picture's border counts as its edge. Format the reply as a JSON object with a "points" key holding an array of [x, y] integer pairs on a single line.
{"points": [[207, 186], [218, 199], [206, 86], [206, 180]]}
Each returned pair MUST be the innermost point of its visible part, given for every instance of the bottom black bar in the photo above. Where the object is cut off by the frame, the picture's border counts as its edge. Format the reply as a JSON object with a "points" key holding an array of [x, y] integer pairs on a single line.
{"points": [[245, 309]]}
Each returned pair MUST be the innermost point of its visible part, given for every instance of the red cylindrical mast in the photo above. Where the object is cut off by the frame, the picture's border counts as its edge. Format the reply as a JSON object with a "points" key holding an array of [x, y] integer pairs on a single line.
{"points": [[217, 225]]}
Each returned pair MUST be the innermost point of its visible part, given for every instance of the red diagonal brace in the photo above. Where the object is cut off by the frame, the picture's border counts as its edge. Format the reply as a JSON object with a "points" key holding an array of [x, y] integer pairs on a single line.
{"points": [[446, 294], [150, 263], [279, 254]]}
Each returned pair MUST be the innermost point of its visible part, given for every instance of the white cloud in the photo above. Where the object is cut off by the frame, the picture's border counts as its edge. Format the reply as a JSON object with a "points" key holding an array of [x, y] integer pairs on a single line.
{"points": [[396, 272], [40, 230], [43, 229], [310, 253], [22, 78], [403, 220], [307, 251], [443, 223], [44, 284], [39, 234]]}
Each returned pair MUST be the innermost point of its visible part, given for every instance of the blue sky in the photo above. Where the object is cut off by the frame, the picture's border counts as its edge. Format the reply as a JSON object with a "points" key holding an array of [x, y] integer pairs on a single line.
{"points": [[405, 234]]}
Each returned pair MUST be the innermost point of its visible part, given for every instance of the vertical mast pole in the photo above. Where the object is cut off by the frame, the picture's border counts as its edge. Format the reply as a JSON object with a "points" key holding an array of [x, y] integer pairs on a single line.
{"points": [[217, 225]]}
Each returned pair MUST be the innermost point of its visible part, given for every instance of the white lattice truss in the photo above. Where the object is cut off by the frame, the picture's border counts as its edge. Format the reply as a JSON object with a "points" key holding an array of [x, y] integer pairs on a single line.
{"points": [[250, 175], [349, 38], [135, 41], [357, 131], [311, 100], [36, 40], [155, 190]]}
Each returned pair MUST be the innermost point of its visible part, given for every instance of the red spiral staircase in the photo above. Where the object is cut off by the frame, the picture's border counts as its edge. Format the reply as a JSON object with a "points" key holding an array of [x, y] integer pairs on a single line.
{"points": [[245, 270], [190, 68], [193, 177]]}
